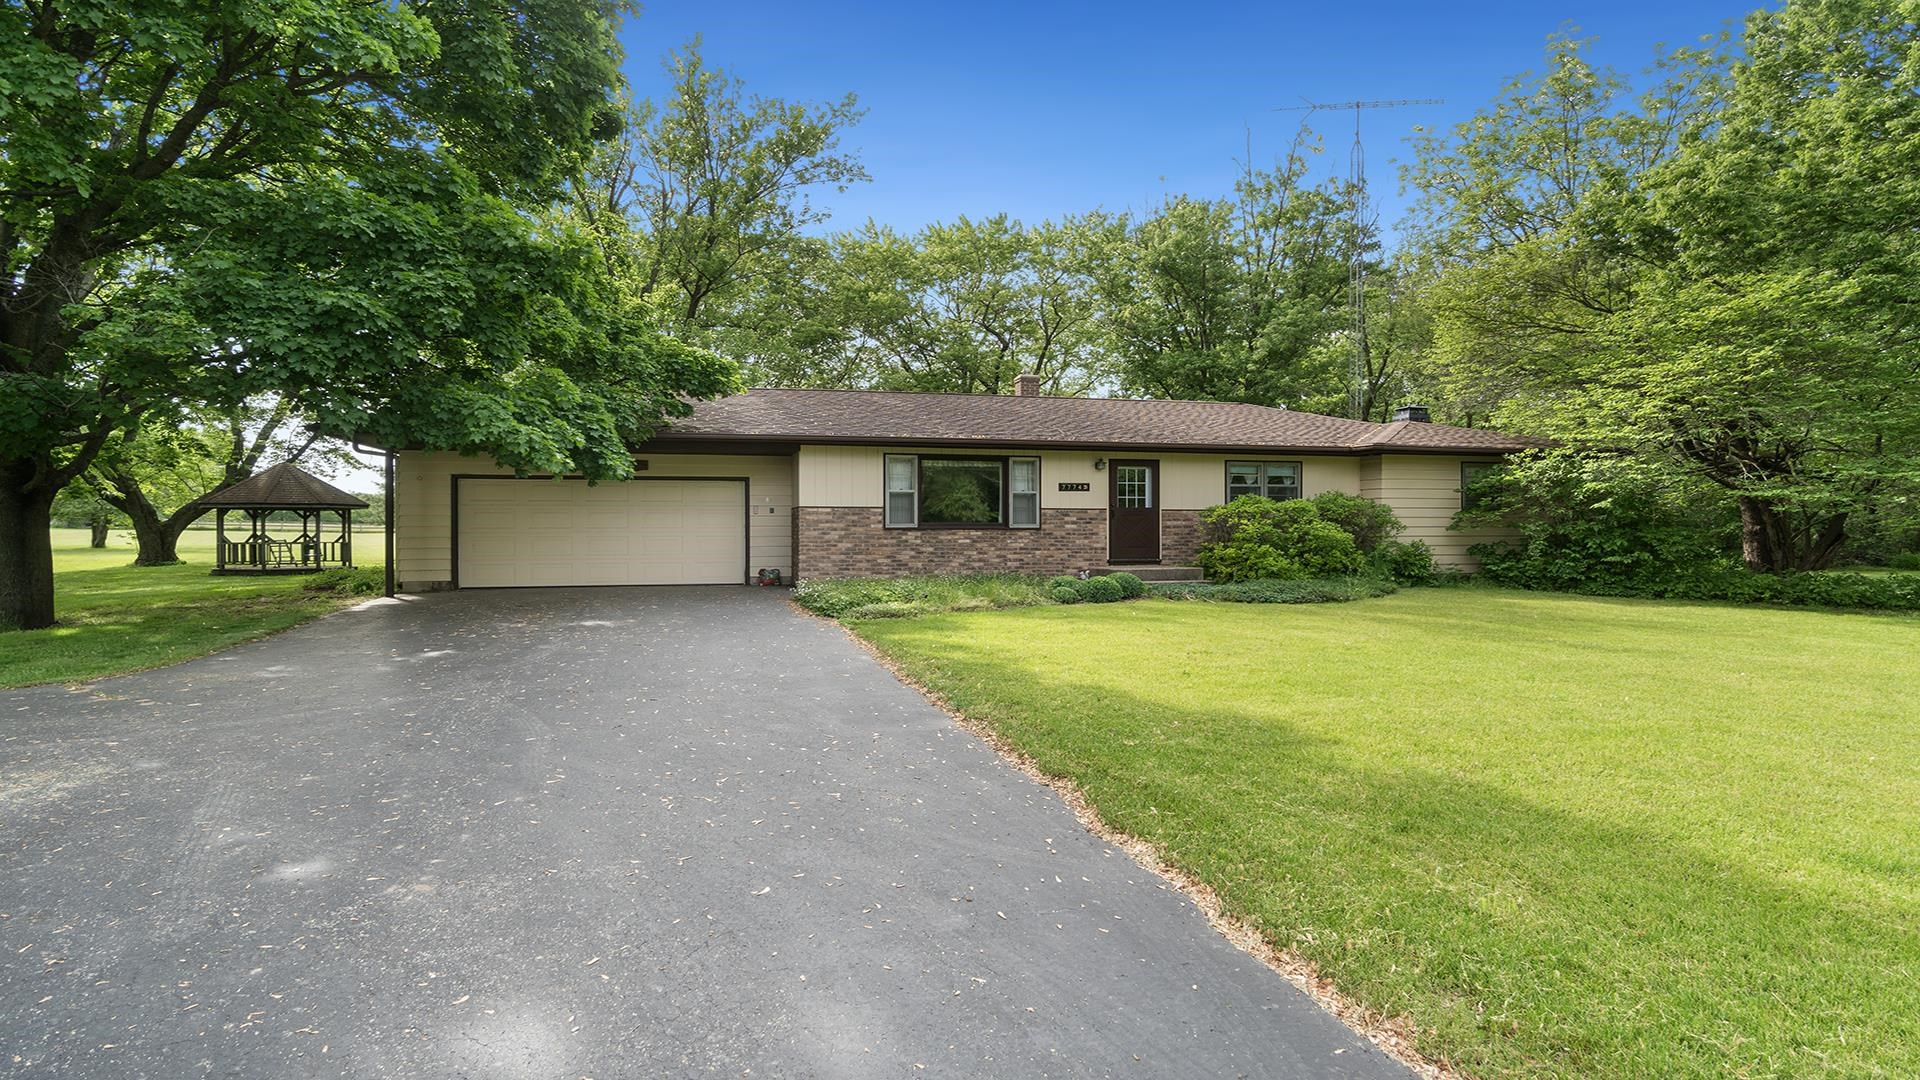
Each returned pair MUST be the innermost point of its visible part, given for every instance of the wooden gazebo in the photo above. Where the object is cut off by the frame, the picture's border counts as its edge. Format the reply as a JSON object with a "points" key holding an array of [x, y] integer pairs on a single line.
{"points": [[284, 488]]}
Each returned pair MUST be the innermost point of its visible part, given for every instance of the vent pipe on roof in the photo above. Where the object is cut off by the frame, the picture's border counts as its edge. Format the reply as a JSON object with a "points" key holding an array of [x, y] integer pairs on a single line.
{"points": [[1415, 413], [1026, 385]]}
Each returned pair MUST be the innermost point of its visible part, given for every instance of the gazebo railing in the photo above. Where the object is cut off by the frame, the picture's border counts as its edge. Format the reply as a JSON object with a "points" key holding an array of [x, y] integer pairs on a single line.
{"points": [[259, 551]]}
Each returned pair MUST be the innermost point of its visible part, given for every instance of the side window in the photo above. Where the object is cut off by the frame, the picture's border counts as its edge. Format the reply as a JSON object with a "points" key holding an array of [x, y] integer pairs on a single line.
{"points": [[1023, 498], [1471, 473], [903, 493], [1274, 479], [1283, 479]]}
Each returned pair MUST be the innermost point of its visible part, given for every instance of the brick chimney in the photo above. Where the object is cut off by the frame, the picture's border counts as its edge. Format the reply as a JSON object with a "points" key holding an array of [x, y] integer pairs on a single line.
{"points": [[1026, 385], [1415, 413]]}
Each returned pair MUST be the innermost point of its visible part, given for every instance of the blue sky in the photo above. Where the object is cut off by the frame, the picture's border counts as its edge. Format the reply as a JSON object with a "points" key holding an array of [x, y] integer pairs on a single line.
{"points": [[1040, 109]]}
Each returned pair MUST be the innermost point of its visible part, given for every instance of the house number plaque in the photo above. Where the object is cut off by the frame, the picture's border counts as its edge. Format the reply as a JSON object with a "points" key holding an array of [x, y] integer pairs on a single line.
{"points": [[1082, 485]]}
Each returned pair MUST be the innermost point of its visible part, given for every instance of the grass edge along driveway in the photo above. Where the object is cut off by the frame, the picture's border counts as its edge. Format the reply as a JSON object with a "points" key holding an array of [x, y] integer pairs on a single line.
{"points": [[116, 618], [1563, 836]]}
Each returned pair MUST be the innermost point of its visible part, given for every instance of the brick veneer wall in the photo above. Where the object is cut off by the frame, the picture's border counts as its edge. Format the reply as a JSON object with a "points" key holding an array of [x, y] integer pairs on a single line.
{"points": [[1179, 537], [853, 541]]}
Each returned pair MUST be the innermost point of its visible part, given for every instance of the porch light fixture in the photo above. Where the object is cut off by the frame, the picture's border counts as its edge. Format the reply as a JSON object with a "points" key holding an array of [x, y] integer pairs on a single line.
{"points": [[1099, 464]]}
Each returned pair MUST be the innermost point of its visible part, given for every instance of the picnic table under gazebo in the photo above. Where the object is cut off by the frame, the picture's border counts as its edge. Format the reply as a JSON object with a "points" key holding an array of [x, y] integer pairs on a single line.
{"points": [[285, 488]]}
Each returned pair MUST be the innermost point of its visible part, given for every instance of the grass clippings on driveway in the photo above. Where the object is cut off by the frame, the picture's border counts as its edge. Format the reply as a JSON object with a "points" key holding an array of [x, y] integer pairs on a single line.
{"points": [[1562, 836], [115, 617]]}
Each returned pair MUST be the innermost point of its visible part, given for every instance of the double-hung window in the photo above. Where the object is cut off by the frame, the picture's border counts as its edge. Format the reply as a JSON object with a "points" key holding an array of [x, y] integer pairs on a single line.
{"points": [[1471, 473], [1023, 492], [903, 491], [942, 491], [1274, 479]]}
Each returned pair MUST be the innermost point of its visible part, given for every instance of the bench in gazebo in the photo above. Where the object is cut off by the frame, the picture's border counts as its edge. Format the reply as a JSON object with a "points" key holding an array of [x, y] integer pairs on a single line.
{"points": [[283, 489]]}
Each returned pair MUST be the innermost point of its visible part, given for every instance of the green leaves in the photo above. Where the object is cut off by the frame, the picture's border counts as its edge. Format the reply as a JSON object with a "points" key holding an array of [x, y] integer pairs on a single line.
{"points": [[1717, 274], [1235, 299], [966, 306]]}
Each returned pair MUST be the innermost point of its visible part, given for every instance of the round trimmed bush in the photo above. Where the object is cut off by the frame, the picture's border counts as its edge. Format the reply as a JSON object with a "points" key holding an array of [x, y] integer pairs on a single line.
{"points": [[1064, 581], [1063, 594], [1130, 584], [1104, 590], [1256, 538]]}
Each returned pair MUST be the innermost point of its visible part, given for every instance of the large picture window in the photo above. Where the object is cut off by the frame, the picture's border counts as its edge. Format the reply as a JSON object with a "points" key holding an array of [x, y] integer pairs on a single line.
{"points": [[960, 492], [1274, 479]]}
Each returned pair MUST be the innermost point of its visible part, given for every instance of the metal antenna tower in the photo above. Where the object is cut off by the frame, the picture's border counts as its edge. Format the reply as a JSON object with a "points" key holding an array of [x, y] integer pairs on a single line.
{"points": [[1357, 267]]}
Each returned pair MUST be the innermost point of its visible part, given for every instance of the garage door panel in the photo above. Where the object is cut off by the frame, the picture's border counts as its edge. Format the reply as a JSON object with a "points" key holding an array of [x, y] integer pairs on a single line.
{"points": [[645, 532]]}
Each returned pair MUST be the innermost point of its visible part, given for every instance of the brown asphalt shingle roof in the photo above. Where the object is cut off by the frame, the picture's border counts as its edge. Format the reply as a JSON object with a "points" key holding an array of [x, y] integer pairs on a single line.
{"points": [[285, 486], [872, 416]]}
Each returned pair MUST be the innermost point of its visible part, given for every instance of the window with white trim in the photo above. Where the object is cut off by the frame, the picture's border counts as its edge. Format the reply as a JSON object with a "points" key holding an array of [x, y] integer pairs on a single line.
{"points": [[1274, 479], [903, 491], [1023, 493], [950, 491]]}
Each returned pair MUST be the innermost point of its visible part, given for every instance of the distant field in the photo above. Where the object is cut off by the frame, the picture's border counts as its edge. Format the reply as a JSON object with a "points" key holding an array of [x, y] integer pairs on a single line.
{"points": [[71, 550]]}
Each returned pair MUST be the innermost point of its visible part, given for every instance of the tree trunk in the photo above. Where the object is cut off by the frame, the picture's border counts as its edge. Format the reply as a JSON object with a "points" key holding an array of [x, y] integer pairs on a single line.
{"points": [[157, 538], [150, 533], [1757, 534], [26, 549], [100, 526], [1826, 544], [1770, 543]]}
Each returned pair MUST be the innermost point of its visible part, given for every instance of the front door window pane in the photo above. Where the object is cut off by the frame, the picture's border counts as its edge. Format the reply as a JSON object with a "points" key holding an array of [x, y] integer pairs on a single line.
{"points": [[1133, 487]]}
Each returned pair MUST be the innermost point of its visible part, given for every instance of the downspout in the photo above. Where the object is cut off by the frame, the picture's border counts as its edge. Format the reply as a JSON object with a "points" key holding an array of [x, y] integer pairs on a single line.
{"points": [[387, 511], [387, 514]]}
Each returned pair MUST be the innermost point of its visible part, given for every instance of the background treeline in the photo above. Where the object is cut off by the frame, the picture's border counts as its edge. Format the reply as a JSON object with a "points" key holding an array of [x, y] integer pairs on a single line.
{"points": [[708, 205]]}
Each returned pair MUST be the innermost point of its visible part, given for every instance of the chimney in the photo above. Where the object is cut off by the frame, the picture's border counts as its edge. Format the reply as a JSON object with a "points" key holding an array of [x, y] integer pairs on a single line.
{"points": [[1415, 413], [1026, 385]]}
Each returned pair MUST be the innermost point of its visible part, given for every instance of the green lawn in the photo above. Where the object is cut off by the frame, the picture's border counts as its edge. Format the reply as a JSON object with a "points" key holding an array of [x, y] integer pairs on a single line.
{"points": [[116, 617], [1565, 836]]}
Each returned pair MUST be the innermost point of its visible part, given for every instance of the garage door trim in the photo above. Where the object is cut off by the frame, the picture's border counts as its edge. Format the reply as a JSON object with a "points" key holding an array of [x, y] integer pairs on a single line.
{"points": [[746, 511]]}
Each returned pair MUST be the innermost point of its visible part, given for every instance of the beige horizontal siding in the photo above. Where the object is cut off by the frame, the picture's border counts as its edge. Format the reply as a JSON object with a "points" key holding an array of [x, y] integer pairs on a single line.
{"points": [[1424, 492], [423, 505]]}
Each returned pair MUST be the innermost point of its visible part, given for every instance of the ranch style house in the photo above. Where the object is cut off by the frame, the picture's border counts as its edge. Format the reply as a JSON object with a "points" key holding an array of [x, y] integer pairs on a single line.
{"points": [[841, 483]]}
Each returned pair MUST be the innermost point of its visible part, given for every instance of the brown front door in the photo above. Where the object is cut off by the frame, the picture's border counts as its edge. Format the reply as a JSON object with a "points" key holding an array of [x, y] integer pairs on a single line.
{"points": [[1133, 511]]}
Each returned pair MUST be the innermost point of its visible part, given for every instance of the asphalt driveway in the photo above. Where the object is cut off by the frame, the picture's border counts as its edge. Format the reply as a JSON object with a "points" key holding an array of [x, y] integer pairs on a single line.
{"points": [[583, 833]]}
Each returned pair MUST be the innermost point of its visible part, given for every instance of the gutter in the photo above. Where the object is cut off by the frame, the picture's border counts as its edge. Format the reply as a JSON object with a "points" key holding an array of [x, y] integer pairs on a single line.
{"points": [[687, 442]]}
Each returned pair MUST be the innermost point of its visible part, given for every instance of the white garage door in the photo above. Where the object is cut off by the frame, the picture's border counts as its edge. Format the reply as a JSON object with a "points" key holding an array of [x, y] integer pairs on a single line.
{"points": [[565, 532]]}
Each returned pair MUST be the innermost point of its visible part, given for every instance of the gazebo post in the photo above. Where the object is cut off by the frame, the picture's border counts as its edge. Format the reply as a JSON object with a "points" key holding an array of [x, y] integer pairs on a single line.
{"points": [[220, 539], [346, 538]]}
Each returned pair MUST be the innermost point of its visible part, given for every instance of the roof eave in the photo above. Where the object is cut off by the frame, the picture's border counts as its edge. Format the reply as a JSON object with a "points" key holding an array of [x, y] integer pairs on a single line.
{"points": [[670, 438]]}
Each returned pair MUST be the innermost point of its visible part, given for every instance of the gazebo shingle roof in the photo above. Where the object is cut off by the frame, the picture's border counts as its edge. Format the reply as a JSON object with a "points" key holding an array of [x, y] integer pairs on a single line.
{"points": [[285, 486]]}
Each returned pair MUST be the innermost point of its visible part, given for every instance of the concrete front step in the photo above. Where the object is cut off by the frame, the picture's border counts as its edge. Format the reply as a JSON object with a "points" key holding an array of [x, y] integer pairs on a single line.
{"points": [[1154, 573]]}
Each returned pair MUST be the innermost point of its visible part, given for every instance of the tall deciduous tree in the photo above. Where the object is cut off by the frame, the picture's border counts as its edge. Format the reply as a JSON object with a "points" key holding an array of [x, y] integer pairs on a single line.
{"points": [[1719, 273], [331, 197], [966, 306], [1235, 299], [701, 205]]}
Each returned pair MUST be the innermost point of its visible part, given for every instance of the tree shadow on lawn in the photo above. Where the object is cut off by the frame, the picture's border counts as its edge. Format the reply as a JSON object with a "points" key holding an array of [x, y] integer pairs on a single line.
{"points": [[1520, 938]]}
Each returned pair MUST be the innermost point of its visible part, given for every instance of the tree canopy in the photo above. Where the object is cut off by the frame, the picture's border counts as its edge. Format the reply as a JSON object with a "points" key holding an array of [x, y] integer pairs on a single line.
{"points": [[334, 201], [1718, 272]]}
